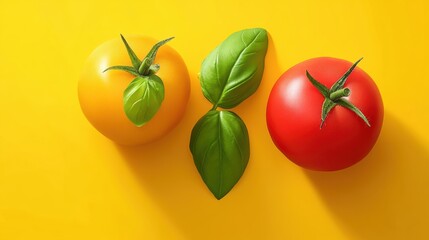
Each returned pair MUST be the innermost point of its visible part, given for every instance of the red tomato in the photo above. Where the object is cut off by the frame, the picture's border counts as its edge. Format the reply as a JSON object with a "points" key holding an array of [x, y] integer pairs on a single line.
{"points": [[294, 116]]}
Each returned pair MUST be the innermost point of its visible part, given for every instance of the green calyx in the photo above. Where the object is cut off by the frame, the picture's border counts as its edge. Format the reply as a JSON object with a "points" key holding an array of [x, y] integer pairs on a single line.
{"points": [[336, 95], [144, 95], [139, 67]]}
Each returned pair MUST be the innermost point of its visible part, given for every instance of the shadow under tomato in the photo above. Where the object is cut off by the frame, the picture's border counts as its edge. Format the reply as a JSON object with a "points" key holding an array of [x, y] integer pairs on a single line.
{"points": [[386, 195], [166, 172]]}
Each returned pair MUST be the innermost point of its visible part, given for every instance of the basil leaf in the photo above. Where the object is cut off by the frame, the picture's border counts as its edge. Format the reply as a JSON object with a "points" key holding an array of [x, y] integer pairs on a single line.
{"points": [[220, 148], [143, 98], [233, 71]]}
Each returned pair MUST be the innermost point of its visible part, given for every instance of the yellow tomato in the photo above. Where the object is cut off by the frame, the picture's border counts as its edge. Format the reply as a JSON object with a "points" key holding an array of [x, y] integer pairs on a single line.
{"points": [[101, 93]]}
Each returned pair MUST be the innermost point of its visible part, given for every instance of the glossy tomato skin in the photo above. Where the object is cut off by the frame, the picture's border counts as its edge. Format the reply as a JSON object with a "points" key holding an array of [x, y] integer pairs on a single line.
{"points": [[294, 116], [101, 94]]}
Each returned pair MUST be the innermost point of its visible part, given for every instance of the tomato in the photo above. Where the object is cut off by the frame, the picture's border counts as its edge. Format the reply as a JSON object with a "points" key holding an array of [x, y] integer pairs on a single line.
{"points": [[294, 115], [101, 93]]}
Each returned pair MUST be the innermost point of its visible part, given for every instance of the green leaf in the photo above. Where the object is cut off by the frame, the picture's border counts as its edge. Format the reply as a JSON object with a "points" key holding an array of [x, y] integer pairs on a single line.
{"points": [[143, 98], [322, 89], [220, 148], [345, 103], [133, 57], [127, 69], [327, 106], [233, 71], [340, 82]]}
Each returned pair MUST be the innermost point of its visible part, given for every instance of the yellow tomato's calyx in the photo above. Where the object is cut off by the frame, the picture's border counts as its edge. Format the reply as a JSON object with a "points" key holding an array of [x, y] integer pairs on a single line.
{"points": [[335, 95], [145, 66], [141, 68]]}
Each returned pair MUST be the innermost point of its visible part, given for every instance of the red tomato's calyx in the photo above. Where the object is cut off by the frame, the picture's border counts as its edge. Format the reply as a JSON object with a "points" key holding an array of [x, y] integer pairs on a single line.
{"points": [[335, 95]]}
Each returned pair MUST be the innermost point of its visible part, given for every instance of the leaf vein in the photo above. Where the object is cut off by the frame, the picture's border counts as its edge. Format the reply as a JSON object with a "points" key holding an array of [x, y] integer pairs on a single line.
{"points": [[237, 145], [239, 56]]}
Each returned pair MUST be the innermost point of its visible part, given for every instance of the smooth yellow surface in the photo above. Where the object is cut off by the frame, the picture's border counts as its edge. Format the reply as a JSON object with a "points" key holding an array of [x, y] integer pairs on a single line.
{"points": [[61, 179]]}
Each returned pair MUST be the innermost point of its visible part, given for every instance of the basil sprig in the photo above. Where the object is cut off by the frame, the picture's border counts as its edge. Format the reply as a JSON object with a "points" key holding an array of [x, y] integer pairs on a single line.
{"points": [[144, 95], [219, 141]]}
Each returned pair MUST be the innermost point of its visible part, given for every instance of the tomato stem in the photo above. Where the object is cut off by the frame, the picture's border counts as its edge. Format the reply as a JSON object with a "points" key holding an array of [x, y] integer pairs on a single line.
{"points": [[344, 92], [144, 66], [214, 107]]}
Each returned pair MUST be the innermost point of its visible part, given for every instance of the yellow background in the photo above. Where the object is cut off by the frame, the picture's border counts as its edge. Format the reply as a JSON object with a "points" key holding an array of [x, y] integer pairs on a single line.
{"points": [[61, 179]]}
